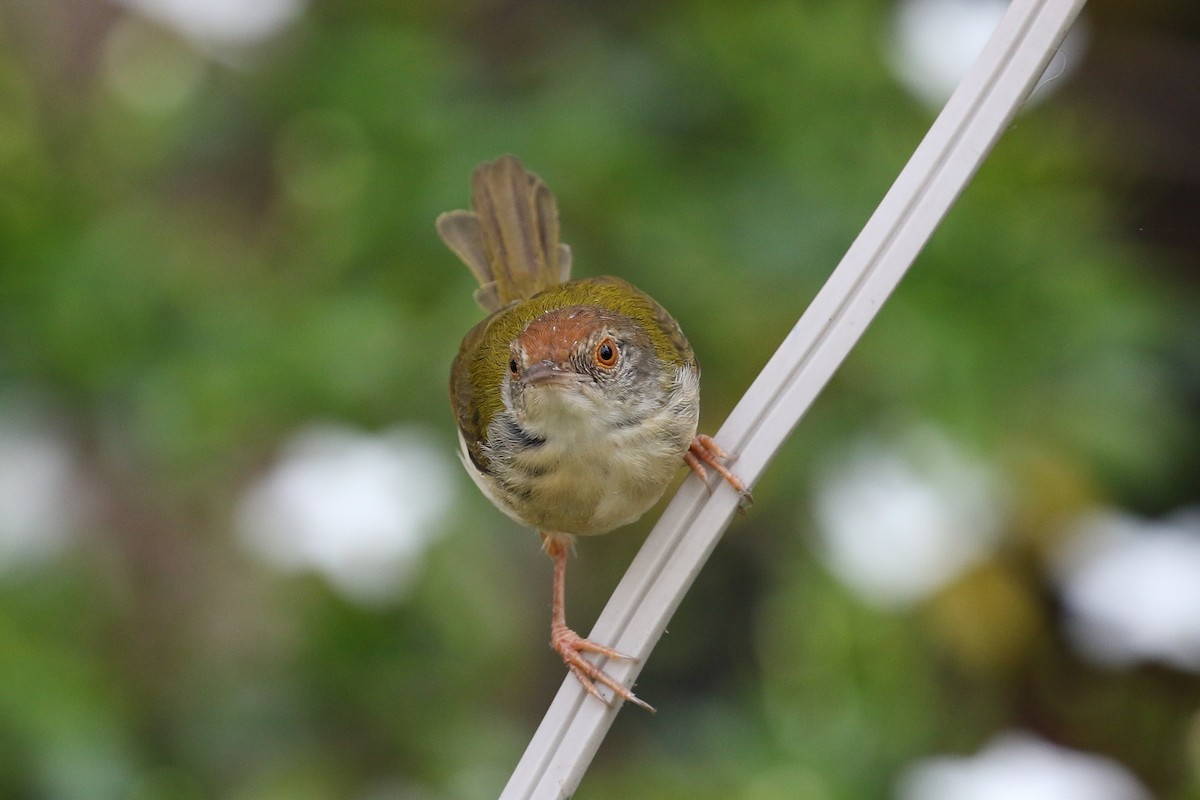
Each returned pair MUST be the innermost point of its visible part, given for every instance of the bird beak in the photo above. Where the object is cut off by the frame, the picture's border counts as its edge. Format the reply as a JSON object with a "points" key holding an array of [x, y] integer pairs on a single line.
{"points": [[545, 373]]}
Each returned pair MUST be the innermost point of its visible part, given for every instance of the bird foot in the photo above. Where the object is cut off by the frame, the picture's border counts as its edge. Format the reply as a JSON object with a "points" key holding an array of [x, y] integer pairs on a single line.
{"points": [[705, 451], [571, 646]]}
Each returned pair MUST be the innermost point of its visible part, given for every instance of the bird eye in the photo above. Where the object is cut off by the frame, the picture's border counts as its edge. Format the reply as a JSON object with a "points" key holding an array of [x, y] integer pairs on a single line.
{"points": [[606, 353], [512, 367]]}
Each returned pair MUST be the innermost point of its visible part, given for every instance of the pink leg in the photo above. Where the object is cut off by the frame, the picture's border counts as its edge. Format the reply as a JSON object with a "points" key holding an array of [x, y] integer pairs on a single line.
{"points": [[706, 451], [570, 645]]}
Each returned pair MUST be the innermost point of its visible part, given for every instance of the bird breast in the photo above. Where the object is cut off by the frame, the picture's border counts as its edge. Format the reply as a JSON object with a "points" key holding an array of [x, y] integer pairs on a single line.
{"points": [[584, 473]]}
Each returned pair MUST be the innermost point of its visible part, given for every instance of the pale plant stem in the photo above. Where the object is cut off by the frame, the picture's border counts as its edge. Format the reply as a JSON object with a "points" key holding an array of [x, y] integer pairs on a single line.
{"points": [[637, 614]]}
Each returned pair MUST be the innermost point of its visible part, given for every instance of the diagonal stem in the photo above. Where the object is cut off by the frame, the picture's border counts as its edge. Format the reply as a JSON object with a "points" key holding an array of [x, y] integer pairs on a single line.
{"points": [[942, 165]]}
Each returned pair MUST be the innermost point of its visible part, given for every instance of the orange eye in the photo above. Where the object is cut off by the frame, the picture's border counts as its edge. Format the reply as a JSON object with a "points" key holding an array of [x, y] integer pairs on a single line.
{"points": [[513, 367], [607, 353]]}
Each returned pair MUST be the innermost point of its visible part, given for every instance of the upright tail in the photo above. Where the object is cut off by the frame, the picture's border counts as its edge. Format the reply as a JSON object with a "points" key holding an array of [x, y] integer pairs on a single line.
{"points": [[509, 238]]}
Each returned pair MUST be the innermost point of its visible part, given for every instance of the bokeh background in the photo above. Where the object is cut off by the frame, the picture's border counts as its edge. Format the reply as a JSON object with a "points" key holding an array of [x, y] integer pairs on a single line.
{"points": [[238, 558]]}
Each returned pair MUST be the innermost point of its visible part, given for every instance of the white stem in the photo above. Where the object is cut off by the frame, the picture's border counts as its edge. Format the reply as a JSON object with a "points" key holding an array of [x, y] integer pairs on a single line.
{"points": [[663, 571]]}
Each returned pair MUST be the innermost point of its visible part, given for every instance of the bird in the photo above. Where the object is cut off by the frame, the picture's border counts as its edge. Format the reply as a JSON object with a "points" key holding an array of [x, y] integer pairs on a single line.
{"points": [[576, 400]]}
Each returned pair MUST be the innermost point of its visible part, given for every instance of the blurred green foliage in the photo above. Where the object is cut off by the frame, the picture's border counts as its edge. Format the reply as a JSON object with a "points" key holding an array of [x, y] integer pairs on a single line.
{"points": [[201, 252]]}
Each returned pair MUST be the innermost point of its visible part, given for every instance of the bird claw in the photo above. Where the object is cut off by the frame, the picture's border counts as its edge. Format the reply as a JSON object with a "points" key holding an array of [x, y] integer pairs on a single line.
{"points": [[571, 646], [704, 450]]}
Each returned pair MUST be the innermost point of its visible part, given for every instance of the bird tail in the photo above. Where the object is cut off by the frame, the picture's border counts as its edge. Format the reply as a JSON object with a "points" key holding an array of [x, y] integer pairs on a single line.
{"points": [[509, 238]]}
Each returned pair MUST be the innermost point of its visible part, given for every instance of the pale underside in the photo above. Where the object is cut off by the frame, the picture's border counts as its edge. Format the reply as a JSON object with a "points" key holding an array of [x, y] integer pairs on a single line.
{"points": [[587, 476]]}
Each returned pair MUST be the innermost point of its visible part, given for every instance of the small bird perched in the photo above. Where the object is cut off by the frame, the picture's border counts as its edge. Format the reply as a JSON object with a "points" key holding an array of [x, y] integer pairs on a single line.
{"points": [[576, 401]]}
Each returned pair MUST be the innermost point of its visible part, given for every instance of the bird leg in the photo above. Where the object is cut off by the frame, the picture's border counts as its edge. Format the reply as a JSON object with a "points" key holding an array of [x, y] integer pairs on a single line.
{"points": [[570, 645], [704, 450]]}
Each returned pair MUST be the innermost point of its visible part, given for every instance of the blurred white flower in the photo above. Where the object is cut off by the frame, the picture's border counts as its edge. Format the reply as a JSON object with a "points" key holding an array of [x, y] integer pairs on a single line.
{"points": [[934, 42], [1020, 766], [42, 498], [898, 523], [1131, 589], [221, 21], [360, 509]]}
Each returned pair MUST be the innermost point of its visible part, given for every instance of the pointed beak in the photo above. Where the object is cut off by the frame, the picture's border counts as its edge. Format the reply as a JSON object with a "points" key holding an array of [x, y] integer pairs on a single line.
{"points": [[545, 373]]}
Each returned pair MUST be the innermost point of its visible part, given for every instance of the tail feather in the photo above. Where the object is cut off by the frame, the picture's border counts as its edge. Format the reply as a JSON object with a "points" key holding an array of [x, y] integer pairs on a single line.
{"points": [[509, 239]]}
